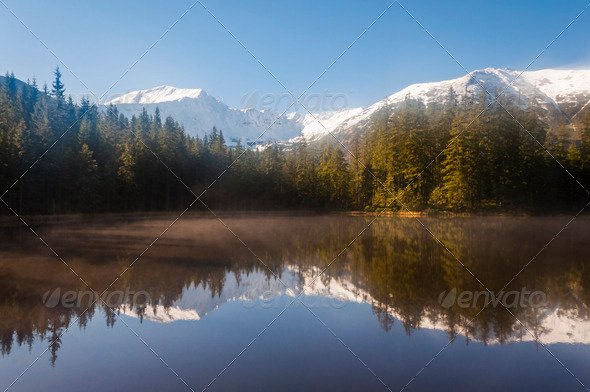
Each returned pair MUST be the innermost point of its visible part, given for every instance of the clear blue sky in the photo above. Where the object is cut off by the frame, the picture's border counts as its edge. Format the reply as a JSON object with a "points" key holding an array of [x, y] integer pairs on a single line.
{"points": [[296, 40]]}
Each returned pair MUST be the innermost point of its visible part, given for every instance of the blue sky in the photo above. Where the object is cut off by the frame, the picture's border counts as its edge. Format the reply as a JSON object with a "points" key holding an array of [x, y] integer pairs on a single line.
{"points": [[99, 40]]}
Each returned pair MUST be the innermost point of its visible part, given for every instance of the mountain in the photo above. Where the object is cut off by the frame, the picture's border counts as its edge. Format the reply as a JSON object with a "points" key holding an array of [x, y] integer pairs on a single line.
{"points": [[199, 112], [555, 94]]}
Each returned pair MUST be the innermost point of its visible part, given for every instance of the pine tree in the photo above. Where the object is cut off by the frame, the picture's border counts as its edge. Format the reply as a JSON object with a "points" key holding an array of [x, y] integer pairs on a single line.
{"points": [[58, 90]]}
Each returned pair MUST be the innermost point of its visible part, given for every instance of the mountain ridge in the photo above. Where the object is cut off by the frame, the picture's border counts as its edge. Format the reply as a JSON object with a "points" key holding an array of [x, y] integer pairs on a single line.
{"points": [[556, 94]]}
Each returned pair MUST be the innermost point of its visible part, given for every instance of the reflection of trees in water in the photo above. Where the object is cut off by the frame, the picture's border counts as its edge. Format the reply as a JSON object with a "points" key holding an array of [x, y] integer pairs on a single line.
{"points": [[397, 262], [411, 270]]}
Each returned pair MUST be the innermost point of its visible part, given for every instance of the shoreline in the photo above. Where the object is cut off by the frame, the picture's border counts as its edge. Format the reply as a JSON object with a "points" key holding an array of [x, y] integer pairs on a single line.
{"points": [[12, 220]]}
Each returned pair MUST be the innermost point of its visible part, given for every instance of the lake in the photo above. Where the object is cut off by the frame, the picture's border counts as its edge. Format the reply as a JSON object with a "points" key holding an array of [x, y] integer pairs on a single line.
{"points": [[294, 303]]}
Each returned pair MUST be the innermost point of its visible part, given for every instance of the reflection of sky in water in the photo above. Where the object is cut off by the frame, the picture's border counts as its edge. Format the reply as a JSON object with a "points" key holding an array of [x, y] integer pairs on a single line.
{"points": [[296, 353]]}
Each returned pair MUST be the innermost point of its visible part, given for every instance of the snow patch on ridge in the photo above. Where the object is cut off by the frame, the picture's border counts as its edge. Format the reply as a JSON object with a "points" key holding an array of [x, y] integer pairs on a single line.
{"points": [[156, 95], [560, 84]]}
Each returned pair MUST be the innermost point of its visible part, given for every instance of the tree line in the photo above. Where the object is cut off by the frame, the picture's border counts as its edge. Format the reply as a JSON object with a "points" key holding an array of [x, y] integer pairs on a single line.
{"points": [[468, 155]]}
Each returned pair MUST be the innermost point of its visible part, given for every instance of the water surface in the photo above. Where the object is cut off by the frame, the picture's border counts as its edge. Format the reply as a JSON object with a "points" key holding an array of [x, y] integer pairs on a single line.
{"points": [[293, 303]]}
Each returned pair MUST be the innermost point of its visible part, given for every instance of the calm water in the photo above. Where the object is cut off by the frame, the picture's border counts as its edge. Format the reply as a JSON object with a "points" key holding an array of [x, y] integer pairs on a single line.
{"points": [[200, 310]]}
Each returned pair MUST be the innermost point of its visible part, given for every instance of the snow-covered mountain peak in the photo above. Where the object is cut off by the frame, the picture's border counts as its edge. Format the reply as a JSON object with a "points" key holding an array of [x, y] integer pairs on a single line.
{"points": [[554, 84], [554, 94], [483, 80], [156, 95], [199, 112]]}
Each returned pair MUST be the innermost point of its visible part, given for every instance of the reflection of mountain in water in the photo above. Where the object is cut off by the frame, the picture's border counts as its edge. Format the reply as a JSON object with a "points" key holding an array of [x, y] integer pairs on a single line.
{"points": [[396, 267], [196, 301]]}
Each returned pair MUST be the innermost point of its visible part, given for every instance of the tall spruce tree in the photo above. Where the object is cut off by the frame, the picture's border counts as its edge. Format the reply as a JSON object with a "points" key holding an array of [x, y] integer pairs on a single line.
{"points": [[58, 90]]}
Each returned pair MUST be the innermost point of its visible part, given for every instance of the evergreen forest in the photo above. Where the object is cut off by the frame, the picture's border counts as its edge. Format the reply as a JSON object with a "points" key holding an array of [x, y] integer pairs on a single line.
{"points": [[58, 156]]}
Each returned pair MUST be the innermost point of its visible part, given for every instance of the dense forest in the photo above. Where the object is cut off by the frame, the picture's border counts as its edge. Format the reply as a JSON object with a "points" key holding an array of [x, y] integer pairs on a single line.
{"points": [[78, 157]]}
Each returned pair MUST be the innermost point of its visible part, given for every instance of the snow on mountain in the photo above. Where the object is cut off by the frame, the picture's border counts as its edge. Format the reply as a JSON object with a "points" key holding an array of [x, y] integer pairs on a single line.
{"points": [[317, 125], [553, 93], [561, 85], [156, 95], [199, 113]]}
